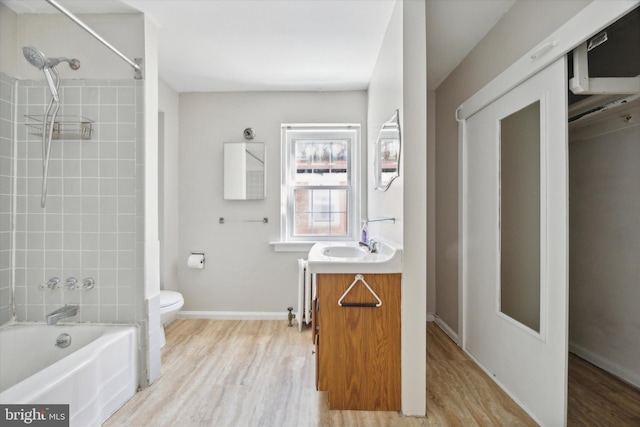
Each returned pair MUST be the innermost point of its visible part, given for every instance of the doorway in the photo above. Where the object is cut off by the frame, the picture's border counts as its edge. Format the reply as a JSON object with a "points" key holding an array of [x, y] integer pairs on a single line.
{"points": [[489, 327], [604, 230]]}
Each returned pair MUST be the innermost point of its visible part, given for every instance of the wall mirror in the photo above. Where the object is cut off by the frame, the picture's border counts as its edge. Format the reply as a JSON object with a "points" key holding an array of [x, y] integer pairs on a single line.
{"points": [[387, 153], [244, 169]]}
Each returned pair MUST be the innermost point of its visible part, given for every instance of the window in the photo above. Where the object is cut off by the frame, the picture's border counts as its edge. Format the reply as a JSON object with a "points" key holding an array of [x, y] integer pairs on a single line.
{"points": [[320, 182]]}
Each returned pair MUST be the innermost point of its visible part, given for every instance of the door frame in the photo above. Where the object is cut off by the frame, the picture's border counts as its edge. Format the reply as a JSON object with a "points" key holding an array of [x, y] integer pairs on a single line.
{"points": [[593, 18]]}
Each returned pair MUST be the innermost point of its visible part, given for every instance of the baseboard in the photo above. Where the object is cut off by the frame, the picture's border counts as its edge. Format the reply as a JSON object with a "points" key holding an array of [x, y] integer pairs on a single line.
{"points": [[233, 315], [431, 317], [447, 329], [606, 364]]}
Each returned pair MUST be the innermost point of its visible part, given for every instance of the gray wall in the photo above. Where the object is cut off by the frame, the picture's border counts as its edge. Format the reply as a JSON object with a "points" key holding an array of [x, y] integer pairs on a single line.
{"points": [[520, 29], [242, 271], [604, 250]]}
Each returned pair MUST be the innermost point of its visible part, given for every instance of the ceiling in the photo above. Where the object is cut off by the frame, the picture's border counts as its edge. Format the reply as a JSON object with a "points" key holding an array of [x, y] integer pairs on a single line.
{"points": [[241, 45]]}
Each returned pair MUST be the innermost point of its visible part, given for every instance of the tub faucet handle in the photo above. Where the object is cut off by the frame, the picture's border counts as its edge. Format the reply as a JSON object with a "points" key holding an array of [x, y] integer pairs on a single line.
{"points": [[71, 283], [52, 283], [88, 283]]}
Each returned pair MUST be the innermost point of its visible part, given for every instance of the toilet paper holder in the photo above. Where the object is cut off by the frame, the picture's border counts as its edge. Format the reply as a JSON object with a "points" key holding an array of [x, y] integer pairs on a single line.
{"points": [[196, 260]]}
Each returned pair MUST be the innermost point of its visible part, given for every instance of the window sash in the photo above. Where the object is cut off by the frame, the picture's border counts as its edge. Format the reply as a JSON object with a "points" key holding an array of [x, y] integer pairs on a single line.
{"points": [[331, 219], [317, 136]]}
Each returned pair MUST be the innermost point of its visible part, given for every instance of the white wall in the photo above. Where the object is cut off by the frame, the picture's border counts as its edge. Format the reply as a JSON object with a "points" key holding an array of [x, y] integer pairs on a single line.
{"points": [[519, 30], [399, 82], [169, 198], [151, 246], [414, 272], [242, 272], [385, 96], [604, 250]]}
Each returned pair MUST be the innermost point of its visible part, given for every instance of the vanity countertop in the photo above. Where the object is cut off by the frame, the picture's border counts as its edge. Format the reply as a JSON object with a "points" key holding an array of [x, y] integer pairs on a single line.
{"points": [[351, 257]]}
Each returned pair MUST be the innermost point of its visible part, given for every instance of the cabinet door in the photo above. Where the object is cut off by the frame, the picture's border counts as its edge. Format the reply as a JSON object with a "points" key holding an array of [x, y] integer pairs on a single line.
{"points": [[360, 351]]}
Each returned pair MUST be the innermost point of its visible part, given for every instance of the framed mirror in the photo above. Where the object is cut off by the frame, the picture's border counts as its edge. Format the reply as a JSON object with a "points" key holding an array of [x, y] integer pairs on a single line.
{"points": [[244, 169], [387, 153]]}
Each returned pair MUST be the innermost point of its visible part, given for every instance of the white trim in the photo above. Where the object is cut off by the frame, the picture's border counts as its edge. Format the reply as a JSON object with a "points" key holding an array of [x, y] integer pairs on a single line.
{"points": [[462, 220], [602, 362], [608, 86], [350, 131], [447, 330], [233, 315], [431, 317], [594, 17], [582, 84]]}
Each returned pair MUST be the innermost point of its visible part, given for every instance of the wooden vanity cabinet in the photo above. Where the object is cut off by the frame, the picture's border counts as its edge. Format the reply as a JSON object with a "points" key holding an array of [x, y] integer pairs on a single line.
{"points": [[358, 348]]}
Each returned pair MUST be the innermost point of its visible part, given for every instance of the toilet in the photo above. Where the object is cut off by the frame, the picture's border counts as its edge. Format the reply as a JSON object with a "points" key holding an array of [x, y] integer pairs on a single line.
{"points": [[170, 303]]}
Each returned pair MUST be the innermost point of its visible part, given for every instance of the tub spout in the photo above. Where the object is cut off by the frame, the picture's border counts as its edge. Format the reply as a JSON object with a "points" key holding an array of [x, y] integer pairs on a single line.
{"points": [[68, 310]]}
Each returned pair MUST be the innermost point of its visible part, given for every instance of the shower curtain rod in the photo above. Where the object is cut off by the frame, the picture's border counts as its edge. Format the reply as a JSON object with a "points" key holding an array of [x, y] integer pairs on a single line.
{"points": [[135, 65]]}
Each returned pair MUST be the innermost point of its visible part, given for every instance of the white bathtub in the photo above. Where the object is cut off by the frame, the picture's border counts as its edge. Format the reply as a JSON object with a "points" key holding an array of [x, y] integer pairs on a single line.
{"points": [[95, 375]]}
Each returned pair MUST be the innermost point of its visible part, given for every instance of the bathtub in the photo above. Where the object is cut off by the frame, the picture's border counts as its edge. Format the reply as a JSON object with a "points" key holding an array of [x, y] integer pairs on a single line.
{"points": [[96, 374]]}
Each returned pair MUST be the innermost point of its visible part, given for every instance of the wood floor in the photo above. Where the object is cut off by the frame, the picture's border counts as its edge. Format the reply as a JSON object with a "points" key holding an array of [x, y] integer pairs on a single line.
{"points": [[261, 373]]}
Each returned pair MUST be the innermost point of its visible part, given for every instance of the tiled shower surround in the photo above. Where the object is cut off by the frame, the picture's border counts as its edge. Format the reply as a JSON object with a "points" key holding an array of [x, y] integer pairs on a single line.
{"points": [[93, 224]]}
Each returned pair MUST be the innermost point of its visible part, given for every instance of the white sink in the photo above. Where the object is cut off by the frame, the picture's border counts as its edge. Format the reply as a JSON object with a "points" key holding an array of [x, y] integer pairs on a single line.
{"points": [[350, 257], [344, 251]]}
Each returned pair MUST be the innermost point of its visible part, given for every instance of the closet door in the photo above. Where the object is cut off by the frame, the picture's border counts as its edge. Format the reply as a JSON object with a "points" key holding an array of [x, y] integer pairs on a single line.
{"points": [[515, 180]]}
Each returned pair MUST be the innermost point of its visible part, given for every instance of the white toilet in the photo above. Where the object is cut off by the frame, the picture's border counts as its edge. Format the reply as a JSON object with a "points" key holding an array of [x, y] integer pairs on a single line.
{"points": [[170, 303]]}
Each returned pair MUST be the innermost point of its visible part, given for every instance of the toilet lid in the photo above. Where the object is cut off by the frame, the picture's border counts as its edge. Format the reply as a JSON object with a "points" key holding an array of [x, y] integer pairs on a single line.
{"points": [[168, 298]]}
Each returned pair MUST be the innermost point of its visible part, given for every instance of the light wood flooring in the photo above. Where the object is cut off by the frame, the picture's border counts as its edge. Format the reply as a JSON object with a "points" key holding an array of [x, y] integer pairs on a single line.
{"points": [[261, 373]]}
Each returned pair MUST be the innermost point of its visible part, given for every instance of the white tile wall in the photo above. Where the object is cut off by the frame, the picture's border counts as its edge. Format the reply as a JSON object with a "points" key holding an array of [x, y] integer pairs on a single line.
{"points": [[91, 224]]}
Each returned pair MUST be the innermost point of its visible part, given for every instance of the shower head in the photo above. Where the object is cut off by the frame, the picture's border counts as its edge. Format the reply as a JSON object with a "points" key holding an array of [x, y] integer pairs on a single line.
{"points": [[34, 57], [38, 60]]}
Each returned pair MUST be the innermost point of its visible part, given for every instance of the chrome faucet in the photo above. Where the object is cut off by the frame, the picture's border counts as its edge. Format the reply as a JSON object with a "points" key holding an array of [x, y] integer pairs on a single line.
{"points": [[69, 310], [372, 245]]}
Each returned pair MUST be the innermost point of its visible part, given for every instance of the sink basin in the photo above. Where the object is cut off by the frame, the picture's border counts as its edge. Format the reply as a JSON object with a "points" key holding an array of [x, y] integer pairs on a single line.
{"points": [[350, 257], [344, 251]]}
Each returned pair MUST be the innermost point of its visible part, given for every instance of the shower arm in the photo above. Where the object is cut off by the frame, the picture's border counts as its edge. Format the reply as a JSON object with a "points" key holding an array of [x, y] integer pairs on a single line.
{"points": [[135, 65]]}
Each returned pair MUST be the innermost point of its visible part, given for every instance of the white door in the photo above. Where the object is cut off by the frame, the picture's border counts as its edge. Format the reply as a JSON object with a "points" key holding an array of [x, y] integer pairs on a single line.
{"points": [[515, 225]]}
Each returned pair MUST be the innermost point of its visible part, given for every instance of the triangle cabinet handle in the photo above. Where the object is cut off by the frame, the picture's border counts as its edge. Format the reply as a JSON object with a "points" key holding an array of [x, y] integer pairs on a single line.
{"points": [[359, 278]]}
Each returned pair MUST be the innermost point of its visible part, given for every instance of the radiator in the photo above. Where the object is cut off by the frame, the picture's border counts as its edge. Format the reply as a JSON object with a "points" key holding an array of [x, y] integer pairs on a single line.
{"points": [[305, 294]]}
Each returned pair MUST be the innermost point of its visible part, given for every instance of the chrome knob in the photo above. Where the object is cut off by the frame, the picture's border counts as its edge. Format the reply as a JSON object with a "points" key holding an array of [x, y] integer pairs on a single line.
{"points": [[52, 283], [88, 283], [71, 283]]}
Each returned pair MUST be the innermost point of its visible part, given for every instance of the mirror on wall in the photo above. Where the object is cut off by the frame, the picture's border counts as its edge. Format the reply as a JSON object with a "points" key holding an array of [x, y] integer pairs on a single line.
{"points": [[387, 153], [244, 169]]}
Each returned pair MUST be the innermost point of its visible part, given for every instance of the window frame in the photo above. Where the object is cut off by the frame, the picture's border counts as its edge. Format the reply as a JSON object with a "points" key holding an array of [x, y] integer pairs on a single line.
{"points": [[292, 132]]}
